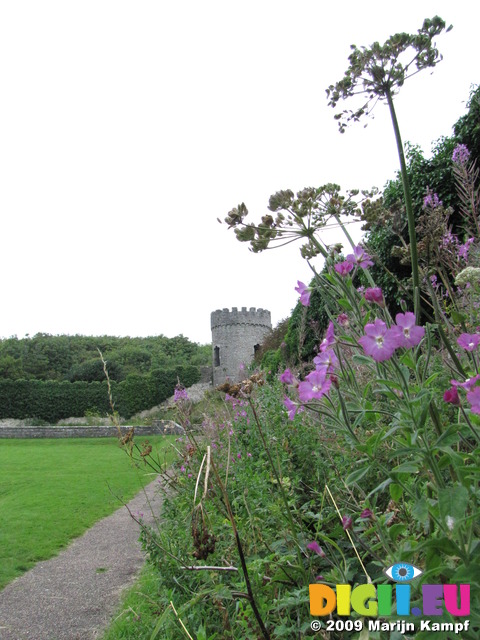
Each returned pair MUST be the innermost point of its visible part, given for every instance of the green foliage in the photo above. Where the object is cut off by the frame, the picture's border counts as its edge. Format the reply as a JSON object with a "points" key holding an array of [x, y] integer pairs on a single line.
{"points": [[305, 330], [47, 357], [385, 221], [51, 401]]}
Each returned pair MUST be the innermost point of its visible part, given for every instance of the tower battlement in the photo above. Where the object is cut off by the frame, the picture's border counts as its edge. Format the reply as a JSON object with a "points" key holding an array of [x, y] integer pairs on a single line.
{"points": [[251, 316], [236, 336]]}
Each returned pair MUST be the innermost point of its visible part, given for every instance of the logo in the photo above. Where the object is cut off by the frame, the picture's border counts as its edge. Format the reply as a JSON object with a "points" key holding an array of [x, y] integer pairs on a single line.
{"points": [[368, 600]]}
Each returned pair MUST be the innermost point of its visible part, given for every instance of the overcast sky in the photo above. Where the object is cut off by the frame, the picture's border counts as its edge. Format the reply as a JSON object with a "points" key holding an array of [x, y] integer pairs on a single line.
{"points": [[128, 128]]}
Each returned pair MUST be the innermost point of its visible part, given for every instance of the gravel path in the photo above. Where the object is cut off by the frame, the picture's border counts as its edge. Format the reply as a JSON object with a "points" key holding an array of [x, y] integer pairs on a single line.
{"points": [[74, 595]]}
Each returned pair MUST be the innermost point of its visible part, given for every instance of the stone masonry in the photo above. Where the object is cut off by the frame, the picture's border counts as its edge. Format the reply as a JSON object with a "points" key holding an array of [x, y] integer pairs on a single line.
{"points": [[236, 335]]}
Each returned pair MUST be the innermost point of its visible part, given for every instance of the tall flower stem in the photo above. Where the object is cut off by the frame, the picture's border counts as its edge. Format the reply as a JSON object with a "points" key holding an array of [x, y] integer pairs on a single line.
{"points": [[408, 206]]}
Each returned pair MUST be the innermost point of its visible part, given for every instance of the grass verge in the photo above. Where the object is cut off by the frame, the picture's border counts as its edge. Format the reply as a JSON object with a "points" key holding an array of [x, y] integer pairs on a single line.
{"points": [[139, 611], [51, 491]]}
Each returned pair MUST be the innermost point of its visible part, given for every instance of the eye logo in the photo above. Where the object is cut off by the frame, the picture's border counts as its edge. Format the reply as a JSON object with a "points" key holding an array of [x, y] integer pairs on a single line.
{"points": [[402, 572]]}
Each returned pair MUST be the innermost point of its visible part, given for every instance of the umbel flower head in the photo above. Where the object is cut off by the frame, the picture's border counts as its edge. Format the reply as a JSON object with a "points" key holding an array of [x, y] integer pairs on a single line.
{"points": [[379, 71], [469, 275]]}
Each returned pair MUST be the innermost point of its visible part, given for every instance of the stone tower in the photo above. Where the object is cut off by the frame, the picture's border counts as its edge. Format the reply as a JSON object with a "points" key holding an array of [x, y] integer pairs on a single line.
{"points": [[236, 335]]}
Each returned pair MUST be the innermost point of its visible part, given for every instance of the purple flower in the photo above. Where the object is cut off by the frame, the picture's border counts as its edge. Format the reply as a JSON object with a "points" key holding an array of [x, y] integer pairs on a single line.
{"points": [[468, 341], [329, 337], [315, 385], [316, 548], [326, 358], [474, 398], [461, 154], [291, 407], [343, 320], [347, 522], [343, 268], [304, 292], [431, 200], [468, 384], [463, 249], [360, 257], [374, 294], [451, 396], [408, 333], [180, 394], [366, 514], [378, 341], [287, 377]]}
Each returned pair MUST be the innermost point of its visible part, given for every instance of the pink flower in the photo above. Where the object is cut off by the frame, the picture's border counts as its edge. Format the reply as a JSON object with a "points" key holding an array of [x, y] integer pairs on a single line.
{"points": [[316, 548], [326, 358], [468, 384], [343, 268], [374, 294], [366, 514], [431, 200], [360, 257], [315, 385], [408, 333], [343, 320], [468, 341], [329, 337], [461, 154], [379, 342], [347, 522], [291, 407], [451, 396], [180, 394], [287, 377], [463, 249], [474, 398], [304, 292]]}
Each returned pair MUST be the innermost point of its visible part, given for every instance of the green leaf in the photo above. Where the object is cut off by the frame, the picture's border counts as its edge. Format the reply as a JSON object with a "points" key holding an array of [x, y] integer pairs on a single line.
{"points": [[383, 485], [395, 530], [453, 502], [407, 467], [396, 491], [458, 318], [345, 304], [408, 360], [356, 475], [420, 511], [359, 359]]}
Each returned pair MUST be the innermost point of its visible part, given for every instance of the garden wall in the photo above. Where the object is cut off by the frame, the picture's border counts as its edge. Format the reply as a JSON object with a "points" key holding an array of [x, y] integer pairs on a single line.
{"points": [[159, 427]]}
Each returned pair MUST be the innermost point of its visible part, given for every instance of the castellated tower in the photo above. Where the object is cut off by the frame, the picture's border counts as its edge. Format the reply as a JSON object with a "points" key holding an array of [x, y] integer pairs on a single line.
{"points": [[236, 335]]}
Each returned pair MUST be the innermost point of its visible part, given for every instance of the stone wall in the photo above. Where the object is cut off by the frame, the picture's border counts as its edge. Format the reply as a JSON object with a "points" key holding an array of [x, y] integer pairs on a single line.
{"points": [[235, 336], [158, 427]]}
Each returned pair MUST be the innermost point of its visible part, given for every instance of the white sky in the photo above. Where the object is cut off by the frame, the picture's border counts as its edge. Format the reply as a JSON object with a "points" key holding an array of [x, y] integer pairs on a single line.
{"points": [[128, 128]]}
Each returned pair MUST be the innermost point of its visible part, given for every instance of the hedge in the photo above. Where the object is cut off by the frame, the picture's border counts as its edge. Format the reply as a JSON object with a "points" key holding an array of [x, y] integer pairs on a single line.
{"points": [[52, 400]]}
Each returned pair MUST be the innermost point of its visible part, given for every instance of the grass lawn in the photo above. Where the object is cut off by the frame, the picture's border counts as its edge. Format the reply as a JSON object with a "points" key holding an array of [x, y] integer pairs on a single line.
{"points": [[53, 490]]}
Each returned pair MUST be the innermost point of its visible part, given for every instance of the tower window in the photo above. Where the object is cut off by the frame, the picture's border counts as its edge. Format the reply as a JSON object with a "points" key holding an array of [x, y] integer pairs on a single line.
{"points": [[216, 357]]}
